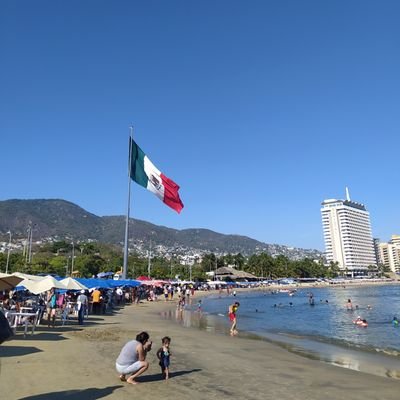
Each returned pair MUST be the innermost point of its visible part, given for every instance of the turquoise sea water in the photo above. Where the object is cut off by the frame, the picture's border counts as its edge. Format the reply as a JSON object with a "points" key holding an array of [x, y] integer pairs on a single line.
{"points": [[324, 331]]}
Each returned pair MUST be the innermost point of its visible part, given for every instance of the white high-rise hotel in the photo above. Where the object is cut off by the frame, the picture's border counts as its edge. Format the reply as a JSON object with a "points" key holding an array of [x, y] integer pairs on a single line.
{"points": [[347, 234]]}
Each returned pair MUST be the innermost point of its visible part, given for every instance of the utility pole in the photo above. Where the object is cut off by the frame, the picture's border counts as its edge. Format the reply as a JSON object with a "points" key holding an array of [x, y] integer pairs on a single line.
{"points": [[8, 253], [149, 262], [26, 245], [73, 256], [30, 244]]}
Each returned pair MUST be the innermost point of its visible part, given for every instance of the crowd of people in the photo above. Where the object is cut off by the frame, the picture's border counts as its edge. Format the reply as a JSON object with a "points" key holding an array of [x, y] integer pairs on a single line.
{"points": [[97, 301], [53, 303], [131, 361]]}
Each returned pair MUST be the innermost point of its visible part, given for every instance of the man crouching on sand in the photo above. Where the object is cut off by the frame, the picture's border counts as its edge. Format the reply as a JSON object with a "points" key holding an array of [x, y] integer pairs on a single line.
{"points": [[132, 359]]}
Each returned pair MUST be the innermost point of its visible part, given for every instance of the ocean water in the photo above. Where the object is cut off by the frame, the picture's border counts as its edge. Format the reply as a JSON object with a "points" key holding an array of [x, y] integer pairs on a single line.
{"points": [[324, 331]]}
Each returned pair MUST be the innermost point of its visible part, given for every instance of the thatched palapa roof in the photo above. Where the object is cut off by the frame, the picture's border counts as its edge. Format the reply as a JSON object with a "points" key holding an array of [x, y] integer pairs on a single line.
{"points": [[232, 273]]}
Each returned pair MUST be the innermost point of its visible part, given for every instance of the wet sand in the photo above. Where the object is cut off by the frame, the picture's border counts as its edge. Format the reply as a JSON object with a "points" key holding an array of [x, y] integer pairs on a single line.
{"points": [[71, 362]]}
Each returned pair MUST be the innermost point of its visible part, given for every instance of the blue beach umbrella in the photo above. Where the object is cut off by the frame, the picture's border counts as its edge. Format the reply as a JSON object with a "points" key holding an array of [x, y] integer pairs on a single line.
{"points": [[94, 283]]}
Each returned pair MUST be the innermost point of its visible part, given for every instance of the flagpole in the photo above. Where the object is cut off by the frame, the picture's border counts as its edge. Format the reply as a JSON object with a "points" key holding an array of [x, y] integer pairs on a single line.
{"points": [[126, 252]]}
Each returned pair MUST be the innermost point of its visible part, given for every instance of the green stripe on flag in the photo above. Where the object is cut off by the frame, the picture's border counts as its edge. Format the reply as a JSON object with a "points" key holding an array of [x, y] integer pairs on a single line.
{"points": [[137, 165]]}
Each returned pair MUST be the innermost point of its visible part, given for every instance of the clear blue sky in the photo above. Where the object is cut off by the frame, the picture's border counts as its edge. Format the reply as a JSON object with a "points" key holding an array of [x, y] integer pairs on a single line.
{"points": [[259, 110]]}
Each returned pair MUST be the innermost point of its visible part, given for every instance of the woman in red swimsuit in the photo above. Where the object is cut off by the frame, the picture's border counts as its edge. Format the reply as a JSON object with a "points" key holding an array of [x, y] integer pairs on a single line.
{"points": [[232, 317]]}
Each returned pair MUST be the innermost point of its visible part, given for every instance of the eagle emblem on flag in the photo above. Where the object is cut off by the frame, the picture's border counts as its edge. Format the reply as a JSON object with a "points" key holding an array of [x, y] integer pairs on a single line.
{"points": [[154, 180]]}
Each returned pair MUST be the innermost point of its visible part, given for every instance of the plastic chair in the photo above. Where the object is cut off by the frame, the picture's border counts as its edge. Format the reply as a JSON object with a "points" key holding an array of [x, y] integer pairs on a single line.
{"points": [[32, 322]]}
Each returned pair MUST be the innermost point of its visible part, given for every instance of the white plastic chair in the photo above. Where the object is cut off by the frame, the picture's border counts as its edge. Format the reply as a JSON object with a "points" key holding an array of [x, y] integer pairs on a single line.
{"points": [[32, 322]]}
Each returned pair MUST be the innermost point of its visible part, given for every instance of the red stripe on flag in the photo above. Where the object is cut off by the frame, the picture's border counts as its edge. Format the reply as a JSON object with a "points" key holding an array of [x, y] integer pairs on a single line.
{"points": [[171, 195]]}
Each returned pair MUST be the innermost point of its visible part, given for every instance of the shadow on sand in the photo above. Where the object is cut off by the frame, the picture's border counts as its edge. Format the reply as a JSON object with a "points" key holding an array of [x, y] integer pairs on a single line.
{"points": [[51, 336], [85, 394], [158, 377], [15, 351]]}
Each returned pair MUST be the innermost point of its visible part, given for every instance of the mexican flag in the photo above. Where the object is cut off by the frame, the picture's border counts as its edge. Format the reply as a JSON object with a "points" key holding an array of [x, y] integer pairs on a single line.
{"points": [[144, 172]]}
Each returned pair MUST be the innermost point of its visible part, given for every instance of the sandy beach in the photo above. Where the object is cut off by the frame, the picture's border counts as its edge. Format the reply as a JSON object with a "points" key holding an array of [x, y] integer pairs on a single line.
{"points": [[72, 362]]}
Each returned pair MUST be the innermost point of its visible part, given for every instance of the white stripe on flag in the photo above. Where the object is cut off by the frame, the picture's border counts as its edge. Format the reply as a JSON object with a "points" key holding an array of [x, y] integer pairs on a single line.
{"points": [[154, 184]]}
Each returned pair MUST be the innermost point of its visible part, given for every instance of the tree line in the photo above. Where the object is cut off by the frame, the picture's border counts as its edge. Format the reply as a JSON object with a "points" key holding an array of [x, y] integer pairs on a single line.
{"points": [[91, 258]]}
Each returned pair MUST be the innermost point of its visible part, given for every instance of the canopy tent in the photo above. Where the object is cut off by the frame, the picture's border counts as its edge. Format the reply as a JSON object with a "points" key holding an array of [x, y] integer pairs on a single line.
{"points": [[43, 285], [143, 278], [73, 284], [39, 284], [92, 283], [105, 274], [43, 275], [183, 282], [9, 281], [155, 282], [213, 283], [28, 276], [124, 282]]}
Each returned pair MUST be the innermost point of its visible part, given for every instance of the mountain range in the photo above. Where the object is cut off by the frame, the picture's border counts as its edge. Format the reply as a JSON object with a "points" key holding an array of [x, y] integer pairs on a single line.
{"points": [[54, 219]]}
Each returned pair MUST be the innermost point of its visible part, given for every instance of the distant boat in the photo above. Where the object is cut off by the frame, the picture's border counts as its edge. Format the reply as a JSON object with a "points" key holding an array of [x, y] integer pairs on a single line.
{"points": [[290, 291]]}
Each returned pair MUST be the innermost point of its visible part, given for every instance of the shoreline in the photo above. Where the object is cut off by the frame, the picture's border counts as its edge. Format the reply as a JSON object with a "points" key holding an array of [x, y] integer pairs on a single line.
{"points": [[379, 363], [71, 362]]}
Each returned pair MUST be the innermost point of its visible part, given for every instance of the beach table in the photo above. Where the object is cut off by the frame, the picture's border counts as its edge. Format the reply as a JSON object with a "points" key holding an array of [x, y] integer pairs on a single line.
{"points": [[26, 309], [23, 318]]}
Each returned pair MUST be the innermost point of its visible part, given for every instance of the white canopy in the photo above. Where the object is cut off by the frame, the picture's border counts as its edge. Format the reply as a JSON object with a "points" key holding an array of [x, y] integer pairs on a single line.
{"points": [[212, 283], [43, 285], [28, 276], [72, 284]]}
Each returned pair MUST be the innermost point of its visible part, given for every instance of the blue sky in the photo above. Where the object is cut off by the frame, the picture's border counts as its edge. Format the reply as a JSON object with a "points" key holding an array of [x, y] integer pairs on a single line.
{"points": [[259, 110]]}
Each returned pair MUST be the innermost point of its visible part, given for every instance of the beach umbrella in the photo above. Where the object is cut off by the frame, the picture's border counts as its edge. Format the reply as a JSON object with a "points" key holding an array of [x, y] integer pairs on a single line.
{"points": [[143, 278], [92, 283], [43, 285], [129, 282], [123, 282], [28, 276], [153, 282], [9, 281], [73, 284]]}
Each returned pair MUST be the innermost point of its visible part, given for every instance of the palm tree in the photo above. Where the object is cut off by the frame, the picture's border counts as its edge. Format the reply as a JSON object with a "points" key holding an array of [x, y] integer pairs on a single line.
{"points": [[333, 269], [372, 269], [383, 269]]}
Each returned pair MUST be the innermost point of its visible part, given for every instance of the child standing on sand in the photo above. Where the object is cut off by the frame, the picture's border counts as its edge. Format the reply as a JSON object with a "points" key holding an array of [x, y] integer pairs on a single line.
{"points": [[163, 354]]}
